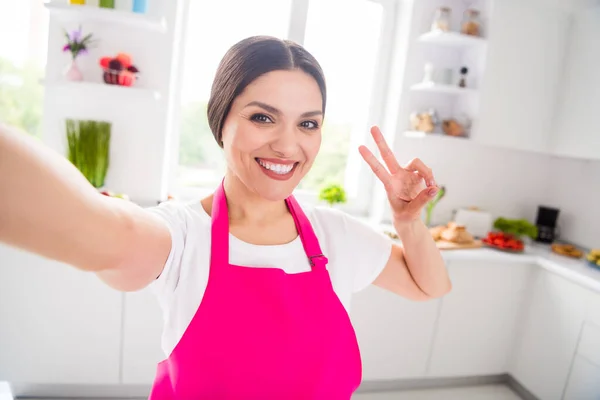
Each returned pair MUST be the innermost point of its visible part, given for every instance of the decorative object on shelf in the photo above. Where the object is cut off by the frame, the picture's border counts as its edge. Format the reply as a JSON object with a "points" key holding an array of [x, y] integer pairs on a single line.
{"points": [[333, 194], [432, 203], [452, 127], [471, 24], [77, 2], [140, 6], [107, 3], [463, 77], [442, 20], [428, 72], [77, 44], [88, 148], [119, 70], [424, 121]]}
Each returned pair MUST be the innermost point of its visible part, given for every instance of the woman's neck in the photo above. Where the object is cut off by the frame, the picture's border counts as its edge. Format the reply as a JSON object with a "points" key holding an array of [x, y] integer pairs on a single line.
{"points": [[247, 206]]}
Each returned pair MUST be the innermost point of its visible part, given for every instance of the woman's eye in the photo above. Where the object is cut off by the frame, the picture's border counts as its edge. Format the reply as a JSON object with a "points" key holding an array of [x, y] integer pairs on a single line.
{"points": [[309, 124], [262, 118]]}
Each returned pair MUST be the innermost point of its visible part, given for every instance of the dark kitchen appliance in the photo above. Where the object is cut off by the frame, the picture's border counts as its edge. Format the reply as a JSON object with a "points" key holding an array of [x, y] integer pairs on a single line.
{"points": [[546, 221]]}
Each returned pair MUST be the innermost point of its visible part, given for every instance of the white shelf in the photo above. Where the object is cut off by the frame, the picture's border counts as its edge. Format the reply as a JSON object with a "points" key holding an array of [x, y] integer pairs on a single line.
{"points": [[451, 39], [419, 134], [439, 88], [93, 87], [86, 12]]}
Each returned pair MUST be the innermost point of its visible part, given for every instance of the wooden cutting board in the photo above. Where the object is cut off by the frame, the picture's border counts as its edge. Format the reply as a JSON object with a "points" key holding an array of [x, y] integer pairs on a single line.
{"points": [[444, 245]]}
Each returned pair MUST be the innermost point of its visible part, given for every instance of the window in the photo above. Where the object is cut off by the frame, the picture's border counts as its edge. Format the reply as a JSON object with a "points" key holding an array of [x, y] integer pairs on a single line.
{"points": [[22, 63], [344, 35], [211, 29]]}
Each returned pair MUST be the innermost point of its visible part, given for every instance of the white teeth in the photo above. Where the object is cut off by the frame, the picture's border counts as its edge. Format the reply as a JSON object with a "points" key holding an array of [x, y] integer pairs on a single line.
{"points": [[280, 169]]}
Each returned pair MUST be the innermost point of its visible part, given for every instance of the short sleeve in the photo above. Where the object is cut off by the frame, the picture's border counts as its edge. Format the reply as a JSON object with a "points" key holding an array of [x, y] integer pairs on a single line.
{"points": [[173, 214], [368, 250]]}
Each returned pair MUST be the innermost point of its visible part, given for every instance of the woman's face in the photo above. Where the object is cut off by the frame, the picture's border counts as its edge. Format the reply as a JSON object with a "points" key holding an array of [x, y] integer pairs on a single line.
{"points": [[272, 133]]}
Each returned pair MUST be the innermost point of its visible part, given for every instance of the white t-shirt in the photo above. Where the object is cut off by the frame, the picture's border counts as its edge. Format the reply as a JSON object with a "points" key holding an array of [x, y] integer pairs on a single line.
{"points": [[357, 254]]}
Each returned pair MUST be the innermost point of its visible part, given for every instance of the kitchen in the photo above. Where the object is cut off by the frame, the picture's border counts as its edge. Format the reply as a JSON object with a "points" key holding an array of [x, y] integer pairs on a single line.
{"points": [[529, 321]]}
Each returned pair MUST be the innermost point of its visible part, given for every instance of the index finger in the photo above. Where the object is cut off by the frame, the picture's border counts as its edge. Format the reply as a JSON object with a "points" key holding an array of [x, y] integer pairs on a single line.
{"points": [[385, 151], [375, 165]]}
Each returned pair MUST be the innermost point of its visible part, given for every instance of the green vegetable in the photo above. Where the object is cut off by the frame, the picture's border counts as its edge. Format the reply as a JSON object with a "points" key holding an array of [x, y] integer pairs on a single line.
{"points": [[432, 203], [88, 148], [332, 194], [517, 227]]}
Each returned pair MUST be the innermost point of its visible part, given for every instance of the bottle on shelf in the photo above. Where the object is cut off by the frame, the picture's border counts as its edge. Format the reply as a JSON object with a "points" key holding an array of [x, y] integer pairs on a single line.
{"points": [[442, 20], [471, 24], [78, 2], [463, 77], [107, 3], [140, 6]]}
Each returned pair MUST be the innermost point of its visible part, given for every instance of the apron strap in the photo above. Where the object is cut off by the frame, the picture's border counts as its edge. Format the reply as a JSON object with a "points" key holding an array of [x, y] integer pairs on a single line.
{"points": [[307, 235], [219, 243]]}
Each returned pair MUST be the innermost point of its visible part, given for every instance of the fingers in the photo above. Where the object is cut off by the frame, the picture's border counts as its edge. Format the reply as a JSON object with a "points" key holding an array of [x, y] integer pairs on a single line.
{"points": [[422, 199], [375, 165], [385, 151], [423, 170]]}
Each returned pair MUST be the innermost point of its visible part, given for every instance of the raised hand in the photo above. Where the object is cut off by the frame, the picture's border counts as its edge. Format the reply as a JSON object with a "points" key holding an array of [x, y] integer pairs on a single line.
{"points": [[408, 188]]}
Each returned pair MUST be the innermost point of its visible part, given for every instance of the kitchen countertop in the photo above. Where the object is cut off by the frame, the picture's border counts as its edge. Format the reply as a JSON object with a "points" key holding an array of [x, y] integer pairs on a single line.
{"points": [[578, 271], [575, 270]]}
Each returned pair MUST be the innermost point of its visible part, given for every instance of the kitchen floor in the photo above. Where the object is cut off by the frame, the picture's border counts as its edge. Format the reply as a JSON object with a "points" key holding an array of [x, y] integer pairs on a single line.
{"points": [[484, 392]]}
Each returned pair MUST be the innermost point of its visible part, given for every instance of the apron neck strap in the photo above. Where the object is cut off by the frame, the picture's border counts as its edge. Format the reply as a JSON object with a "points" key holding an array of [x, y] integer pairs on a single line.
{"points": [[220, 231]]}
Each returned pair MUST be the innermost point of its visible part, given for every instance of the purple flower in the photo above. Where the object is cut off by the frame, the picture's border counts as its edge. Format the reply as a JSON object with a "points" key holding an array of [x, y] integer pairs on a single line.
{"points": [[67, 47], [76, 35], [83, 51]]}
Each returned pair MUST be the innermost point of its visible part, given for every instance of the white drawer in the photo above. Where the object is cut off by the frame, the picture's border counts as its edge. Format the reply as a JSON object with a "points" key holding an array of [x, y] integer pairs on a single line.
{"points": [[589, 345]]}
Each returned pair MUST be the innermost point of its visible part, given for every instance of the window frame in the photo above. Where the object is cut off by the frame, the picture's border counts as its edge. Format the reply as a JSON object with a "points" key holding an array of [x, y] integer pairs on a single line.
{"points": [[359, 205]]}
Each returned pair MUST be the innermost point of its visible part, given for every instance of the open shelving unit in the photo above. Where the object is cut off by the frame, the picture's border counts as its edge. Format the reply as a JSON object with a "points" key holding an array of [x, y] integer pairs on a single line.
{"points": [[94, 88], [67, 11], [442, 89], [451, 39]]}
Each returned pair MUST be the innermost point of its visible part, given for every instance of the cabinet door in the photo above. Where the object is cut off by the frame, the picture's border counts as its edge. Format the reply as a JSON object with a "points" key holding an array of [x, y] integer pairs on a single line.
{"points": [[57, 324], [521, 81], [394, 334], [548, 337], [576, 133], [478, 319], [584, 381], [141, 337]]}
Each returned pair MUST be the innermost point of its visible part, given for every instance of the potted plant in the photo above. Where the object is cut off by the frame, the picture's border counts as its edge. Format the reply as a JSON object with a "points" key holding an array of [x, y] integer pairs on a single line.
{"points": [[77, 44], [89, 148], [333, 194]]}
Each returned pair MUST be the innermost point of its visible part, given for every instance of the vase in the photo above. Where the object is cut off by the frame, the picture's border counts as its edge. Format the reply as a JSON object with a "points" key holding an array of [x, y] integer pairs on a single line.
{"points": [[140, 6], [72, 73]]}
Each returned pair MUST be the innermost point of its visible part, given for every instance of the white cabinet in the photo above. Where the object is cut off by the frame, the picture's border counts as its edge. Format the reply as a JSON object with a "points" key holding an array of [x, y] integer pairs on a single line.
{"points": [[549, 335], [475, 331], [584, 382], [57, 324], [394, 334], [577, 128], [142, 332], [521, 81]]}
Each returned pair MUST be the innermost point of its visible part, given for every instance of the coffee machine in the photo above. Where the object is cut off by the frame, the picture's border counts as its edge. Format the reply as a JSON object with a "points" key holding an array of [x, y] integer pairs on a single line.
{"points": [[546, 222]]}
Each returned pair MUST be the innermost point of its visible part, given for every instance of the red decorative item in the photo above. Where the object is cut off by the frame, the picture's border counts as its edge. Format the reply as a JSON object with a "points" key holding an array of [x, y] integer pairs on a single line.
{"points": [[119, 70]]}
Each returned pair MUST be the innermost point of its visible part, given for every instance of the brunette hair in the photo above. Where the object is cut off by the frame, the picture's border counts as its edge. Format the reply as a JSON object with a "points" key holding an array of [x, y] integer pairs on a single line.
{"points": [[247, 60]]}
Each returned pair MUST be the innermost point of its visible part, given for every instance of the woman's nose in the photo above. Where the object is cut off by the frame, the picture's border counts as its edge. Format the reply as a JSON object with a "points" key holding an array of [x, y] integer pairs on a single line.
{"points": [[285, 142]]}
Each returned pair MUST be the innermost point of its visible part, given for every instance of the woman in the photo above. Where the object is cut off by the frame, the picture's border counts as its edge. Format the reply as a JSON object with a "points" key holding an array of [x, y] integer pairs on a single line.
{"points": [[255, 289]]}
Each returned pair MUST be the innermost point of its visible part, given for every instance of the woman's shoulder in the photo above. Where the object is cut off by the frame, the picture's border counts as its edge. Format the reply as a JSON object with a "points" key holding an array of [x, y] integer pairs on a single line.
{"points": [[182, 212]]}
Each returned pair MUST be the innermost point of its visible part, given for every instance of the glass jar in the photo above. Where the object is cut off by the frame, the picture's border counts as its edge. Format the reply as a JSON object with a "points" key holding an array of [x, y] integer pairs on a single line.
{"points": [[441, 21], [471, 24]]}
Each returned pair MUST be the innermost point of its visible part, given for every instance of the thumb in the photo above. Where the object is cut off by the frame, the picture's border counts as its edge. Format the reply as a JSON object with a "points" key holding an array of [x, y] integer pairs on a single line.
{"points": [[423, 198]]}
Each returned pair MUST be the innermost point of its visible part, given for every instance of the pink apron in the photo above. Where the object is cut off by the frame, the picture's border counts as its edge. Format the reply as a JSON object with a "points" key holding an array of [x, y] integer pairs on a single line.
{"points": [[260, 333]]}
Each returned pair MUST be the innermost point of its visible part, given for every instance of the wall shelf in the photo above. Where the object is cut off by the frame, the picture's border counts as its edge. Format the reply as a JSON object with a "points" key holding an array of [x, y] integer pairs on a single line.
{"points": [[435, 135], [91, 13], [451, 39], [97, 88], [440, 88]]}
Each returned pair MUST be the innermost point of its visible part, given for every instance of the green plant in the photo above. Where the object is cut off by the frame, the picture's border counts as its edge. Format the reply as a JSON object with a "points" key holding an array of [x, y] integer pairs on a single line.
{"points": [[333, 194], [77, 43], [517, 227], [432, 203], [88, 148]]}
